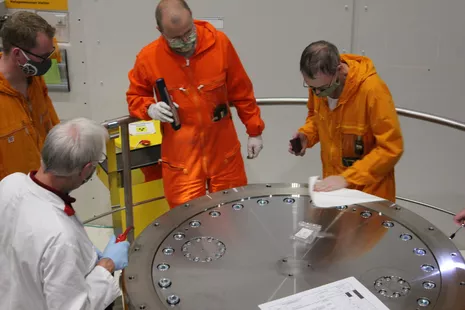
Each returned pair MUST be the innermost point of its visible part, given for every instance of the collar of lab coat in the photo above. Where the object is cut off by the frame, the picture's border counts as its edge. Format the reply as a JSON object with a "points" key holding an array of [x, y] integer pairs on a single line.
{"points": [[61, 200]]}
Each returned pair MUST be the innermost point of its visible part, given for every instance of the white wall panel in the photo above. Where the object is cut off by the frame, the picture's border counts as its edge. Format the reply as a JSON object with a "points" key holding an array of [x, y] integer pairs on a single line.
{"points": [[93, 198], [77, 102], [269, 37], [418, 48], [119, 30]]}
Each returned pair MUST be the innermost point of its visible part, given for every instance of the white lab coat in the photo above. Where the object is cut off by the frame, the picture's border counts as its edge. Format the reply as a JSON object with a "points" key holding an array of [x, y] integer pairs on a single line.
{"points": [[46, 258]]}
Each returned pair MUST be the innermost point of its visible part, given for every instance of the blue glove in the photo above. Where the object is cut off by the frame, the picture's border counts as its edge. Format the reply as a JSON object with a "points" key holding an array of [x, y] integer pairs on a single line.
{"points": [[99, 254], [117, 252]]}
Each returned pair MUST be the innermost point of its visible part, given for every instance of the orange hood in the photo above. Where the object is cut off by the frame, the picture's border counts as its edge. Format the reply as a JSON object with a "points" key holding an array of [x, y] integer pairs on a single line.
{"points": [[360, 68], [6, 88], [206, 37]]}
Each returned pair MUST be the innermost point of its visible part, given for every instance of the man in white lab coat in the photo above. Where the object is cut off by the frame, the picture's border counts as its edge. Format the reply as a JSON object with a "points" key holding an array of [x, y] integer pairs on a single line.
{"points": [[46, 259]]}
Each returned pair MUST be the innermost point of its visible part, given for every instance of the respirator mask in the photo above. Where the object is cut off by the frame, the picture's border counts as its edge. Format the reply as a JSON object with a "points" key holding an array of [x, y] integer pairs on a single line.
{"points": [[34, 68], [183, 46], [329, 90]]}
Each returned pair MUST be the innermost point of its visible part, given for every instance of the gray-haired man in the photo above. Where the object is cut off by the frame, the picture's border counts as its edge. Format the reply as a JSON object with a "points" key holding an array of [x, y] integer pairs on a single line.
{"points": [[47, 260]]}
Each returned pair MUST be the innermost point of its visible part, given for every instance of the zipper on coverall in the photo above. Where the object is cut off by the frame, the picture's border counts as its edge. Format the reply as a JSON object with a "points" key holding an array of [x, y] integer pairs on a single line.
{"points": [[195, 99]]}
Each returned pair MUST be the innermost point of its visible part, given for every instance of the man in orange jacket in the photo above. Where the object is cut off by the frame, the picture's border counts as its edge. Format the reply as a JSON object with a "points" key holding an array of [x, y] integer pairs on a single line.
{"points": [[27, 113], [352, 114], [204, 75]]}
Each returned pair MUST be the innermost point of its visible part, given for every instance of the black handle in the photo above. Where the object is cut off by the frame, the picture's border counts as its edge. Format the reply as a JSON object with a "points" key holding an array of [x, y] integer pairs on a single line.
{"points": [[163, 95]]}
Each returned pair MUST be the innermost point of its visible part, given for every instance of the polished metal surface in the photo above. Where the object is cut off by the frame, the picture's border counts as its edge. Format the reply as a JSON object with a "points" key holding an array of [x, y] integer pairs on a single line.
{"points": [[232, 250]]}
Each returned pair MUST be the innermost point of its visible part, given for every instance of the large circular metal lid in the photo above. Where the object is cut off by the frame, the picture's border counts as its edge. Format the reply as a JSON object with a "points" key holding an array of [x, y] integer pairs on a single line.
{"points": [[237, 249]]}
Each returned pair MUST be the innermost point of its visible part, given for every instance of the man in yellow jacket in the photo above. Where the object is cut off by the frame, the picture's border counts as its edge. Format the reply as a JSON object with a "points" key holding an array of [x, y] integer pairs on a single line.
{"points": [[352, 114], [27, 113]]}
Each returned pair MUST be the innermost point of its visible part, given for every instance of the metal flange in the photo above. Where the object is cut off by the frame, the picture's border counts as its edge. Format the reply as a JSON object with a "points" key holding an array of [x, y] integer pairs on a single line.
{"points": [[233, 250]]}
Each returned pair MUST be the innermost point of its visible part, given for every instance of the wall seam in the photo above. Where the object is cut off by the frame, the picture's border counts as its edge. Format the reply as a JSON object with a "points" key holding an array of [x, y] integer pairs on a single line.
{"points": [[352, 30]]}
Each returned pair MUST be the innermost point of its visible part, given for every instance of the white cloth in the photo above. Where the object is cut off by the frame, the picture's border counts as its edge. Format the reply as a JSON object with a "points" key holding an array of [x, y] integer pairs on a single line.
{"points": [[46, 259], [332, 103], [340, 197]]}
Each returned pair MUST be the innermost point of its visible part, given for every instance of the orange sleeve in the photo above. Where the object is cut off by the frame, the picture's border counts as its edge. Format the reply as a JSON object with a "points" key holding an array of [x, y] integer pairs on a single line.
{"points": [[310, 129], [48, 102], [140, 93], [389, 142], [241, 93]]}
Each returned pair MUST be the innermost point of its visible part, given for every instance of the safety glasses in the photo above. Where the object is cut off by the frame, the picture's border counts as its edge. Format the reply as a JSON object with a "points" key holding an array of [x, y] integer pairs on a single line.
{"points": [[321, 88], [43, 57]]}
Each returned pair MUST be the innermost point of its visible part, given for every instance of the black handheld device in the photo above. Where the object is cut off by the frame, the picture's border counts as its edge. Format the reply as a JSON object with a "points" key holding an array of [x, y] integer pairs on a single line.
{"points": [[296, 145], [163, 95]]}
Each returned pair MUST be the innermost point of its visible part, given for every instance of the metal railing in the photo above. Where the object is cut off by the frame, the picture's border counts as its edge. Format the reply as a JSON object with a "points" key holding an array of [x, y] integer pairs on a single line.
{"points": [[123, 123]]}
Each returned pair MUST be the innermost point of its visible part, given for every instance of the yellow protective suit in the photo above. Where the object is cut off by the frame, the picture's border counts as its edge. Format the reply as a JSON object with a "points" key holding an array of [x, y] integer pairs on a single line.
{"points": [[24, 124], [365, 115]]}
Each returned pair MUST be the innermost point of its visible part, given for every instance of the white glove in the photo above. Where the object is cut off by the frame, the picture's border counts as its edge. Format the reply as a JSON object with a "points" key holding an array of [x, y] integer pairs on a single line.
{"points": [[161, 111], [254, 146]]}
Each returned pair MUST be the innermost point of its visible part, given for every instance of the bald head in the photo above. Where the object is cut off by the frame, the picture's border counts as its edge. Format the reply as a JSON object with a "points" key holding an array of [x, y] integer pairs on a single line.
{"points": [[173, 15]]}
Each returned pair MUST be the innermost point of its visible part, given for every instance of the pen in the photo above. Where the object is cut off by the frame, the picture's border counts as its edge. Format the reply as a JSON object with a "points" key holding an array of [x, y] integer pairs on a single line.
{"points": [[453, 235]]}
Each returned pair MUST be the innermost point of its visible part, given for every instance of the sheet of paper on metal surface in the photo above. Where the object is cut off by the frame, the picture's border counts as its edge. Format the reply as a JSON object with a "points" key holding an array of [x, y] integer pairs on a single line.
{"points": [[347, 294]]}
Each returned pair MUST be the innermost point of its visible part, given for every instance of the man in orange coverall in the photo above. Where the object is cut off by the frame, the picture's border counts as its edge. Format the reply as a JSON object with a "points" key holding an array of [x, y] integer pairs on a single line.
{"points": [[26, 111], [203, 74], [352, 114]]}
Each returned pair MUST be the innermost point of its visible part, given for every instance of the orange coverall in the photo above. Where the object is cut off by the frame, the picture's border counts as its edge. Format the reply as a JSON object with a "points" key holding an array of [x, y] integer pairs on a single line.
{"points": [[365, 112], [202, 153], [24, 124]]}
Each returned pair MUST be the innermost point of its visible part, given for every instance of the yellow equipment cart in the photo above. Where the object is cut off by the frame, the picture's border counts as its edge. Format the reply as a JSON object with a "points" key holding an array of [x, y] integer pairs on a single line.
{"points": [[148, 195]]}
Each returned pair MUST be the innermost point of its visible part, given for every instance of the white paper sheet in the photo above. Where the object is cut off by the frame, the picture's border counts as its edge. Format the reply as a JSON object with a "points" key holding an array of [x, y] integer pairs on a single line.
{"points": [[141, 128], [340, 197], [346, 294]]}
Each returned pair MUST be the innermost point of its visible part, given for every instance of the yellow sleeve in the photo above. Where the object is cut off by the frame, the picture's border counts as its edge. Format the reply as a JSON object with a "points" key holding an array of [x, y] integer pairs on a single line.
{"points": [[310, 129], [389, 142]]}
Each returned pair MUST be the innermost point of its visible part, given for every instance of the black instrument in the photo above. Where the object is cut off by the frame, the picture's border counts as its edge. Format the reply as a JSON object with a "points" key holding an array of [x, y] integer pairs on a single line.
{"points": [[296, 145], [163, 95]]}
